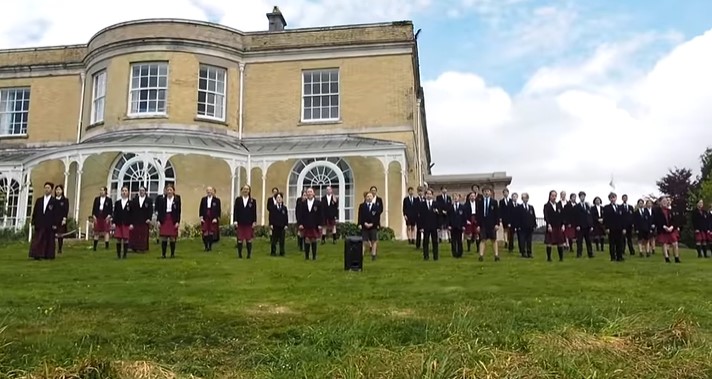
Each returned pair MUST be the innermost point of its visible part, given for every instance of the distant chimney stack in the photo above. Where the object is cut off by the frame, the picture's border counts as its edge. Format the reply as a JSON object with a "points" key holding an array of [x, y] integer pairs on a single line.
{"points": [[276, 20]]}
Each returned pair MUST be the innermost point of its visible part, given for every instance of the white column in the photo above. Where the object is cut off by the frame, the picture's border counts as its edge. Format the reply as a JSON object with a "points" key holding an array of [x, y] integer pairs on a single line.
{"points": [[264, 194], [248, 171], [232, 196], [66, 180], [386, 163], [78, 194], [24, 197], [404, 193], [6, 190]]}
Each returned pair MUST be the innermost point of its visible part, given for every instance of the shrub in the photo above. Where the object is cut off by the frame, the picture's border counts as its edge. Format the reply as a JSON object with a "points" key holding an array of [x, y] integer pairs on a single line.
{"points": [[344, 229]]}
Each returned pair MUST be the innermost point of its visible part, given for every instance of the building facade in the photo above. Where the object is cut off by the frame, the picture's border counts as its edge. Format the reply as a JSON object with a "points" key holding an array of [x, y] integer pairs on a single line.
{"points": [[196, 104]]}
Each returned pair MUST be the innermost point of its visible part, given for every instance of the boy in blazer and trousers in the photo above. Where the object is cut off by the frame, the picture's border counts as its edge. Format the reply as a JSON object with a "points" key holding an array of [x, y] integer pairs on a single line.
{"points": [[278, 223], [369, 221]]}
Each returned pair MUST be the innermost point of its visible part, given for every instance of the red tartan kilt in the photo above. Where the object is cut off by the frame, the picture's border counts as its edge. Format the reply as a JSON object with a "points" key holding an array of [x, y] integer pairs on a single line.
{"points": [[100, 225], [471, 229], [702, 237], [311, 233], [61, 229], [555, 237], [245, 232], [598, 230], [121, 232], [329, 223], [209, 227], [168, 227], [668, 238], [570, 232]]}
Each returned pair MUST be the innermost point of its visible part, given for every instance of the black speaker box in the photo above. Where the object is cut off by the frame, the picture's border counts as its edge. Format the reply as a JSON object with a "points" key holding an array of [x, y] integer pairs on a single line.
{"points": [[353, 253]]}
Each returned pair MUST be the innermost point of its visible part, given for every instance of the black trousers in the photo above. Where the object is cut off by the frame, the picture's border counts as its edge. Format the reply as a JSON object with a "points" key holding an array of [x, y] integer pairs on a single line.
{"points": [[277, 238], [510, 238], [430, 236], [418, 236], [456, 242], [629, 239], [584, 235], [616, 244], [524, 239]]}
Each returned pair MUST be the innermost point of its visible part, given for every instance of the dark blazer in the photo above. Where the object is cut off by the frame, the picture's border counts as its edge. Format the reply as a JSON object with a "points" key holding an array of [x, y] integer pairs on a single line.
{"points": [[45, 218], [569, 213], [524, 217], [62, 209], [140, 213], [457, 218], [311, 219], [215, 208], [492, 218], [122, 215], [444, 204], [372, 217], [410, 208], [278, 218], [506, 211], [628, 211], [161, 208], [330, 209], [379, 202], [271, 202], [245, 214], [642, 221], [468, 208], [581, 215], [554, 215], [596, 214], [107, 211], [298, 212], [429, 218], [700, 220], [613, 219]]}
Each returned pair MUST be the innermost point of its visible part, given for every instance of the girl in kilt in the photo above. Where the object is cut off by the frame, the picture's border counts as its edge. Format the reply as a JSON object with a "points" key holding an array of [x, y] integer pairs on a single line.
{"points": [[62, 213], [245, 219], [122, 221], [168, 208]]}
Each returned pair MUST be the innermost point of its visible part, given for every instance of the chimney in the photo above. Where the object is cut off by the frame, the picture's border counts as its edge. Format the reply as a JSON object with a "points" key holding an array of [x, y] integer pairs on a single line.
{"points": [[276, 20]]}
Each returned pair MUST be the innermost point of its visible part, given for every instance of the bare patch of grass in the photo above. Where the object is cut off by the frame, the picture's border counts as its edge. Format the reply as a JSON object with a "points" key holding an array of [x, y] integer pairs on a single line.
{"points": [[271, 309]]}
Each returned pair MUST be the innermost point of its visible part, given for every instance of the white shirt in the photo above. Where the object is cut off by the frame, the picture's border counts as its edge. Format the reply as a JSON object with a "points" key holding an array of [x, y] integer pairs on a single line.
{"points": [[101, 203], [598, 208], [245, 200], [210, 201], [169, 204], [46, 199], [328, 199], [123, 203], [473, 206], [141, 200], [430, 204], [309, 204]]}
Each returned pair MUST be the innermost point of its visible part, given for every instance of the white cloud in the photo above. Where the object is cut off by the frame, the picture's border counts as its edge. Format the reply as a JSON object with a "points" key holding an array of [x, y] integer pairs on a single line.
{"points": [[572, 126], [67, 22]]}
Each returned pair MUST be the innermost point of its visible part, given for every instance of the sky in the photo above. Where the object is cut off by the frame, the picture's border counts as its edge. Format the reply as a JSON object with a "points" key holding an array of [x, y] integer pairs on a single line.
{"points": [[560, 94]]}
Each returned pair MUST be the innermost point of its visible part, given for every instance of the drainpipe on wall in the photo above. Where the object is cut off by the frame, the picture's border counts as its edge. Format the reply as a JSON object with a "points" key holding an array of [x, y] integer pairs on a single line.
{"points": [[82, 77], [241, 101]]}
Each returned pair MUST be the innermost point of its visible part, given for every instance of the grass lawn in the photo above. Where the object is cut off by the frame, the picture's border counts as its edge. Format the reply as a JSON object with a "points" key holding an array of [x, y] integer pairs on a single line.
{"points": [[89, 315]]}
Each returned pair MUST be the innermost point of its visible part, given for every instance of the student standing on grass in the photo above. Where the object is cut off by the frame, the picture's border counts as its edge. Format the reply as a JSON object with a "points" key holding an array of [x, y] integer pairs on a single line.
{"points": [[278, 224], [45, 219], [614, 220], [472, 231], [700, 223], [668, 232], [444, 204], [369, 220], [330, 207], [628, 211], [642, 222], [583, 222], [101, 212], [505, 205], [122, 223], [488, 220], [310, 223], [457, 222], [410, 214], [141, 214], [62, 213], [209, 212], [525, 223], [555, 228], [418, 232], [429, 222], [599, 228], [298, 214], [168, 220], [245, 219]]}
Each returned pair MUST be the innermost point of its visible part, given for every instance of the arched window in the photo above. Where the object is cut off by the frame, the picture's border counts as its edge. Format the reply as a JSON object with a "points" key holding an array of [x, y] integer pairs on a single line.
{"points": [[10, 201], [319, 174], [132, 171]]}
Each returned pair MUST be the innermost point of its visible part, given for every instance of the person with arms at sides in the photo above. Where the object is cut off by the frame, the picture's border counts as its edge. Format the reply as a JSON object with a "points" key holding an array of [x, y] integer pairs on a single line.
{"points": [[700, 223], [141, 215], [122, 223], [376, 199], [63, 214], [245, 219], [512, 214], [570, 221], [101, 213], [583, 223], [628, 224], [650, 211], [298, 212], [555, 228], [476, 190], [369, 220], [444, 205], [272, 201], [311, 222], [505, 211], [418, 233], [330, 207], [563, 201], [599, 227], [642, 222], [410, 214], [168, 220], [472, 231], [488, 220], [614, 221], [45, 219], [278, 223], [429, 222], [209, 211], [525, 223], [155, 211], [457, 222], [667, 231]]}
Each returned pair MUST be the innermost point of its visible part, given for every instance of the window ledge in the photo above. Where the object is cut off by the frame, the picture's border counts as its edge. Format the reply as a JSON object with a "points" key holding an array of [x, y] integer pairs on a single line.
{"points": [[13, 136], [95, 125], [210, 120], [319, 122], [145, 116]]}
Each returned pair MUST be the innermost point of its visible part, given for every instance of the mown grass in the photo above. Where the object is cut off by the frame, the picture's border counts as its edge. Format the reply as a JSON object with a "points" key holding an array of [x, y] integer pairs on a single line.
{"points": [[209, 315]]}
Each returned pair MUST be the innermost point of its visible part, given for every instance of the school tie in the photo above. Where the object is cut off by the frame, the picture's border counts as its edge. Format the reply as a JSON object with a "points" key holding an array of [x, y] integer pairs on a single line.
{"points": [[486, 206], [369, 207]]}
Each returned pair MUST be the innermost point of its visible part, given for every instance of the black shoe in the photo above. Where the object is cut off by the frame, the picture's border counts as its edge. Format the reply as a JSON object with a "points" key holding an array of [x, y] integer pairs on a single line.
{"points": [[677, 260], [481, 258], [496, 258], [373, 257], [667, 259]]}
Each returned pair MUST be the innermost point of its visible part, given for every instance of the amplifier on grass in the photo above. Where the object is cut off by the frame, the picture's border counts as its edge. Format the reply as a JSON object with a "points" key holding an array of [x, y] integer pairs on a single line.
{"points": [[353, 253]]}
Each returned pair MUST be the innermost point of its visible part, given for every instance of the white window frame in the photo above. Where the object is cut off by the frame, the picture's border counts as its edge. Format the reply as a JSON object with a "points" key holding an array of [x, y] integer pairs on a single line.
{"points": [[98, 96], [138, 90], [220, 97], [312, 96], [8, 110]]}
